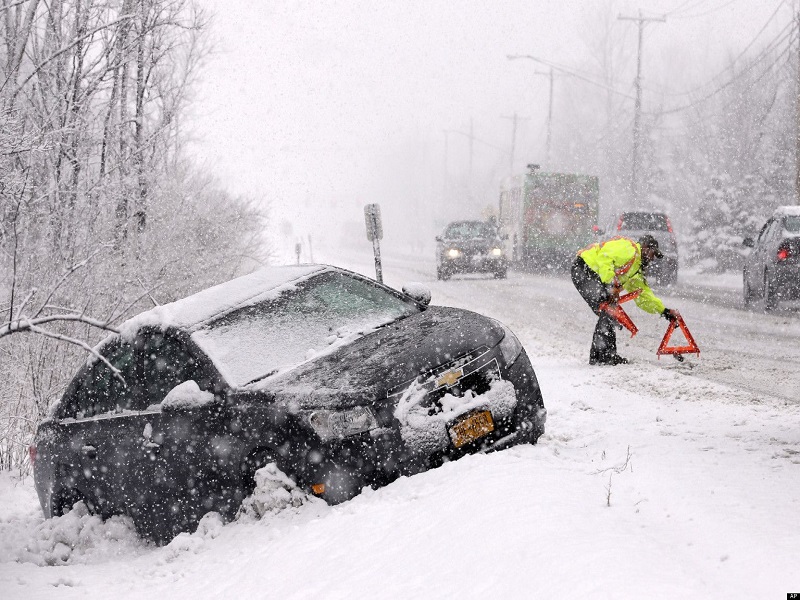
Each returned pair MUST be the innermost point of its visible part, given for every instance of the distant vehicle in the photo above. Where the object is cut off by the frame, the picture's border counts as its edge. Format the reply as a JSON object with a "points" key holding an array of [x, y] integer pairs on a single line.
{"points": [[772, 269], [548, 217], [340, 381], [635, 224], [470, 247]]}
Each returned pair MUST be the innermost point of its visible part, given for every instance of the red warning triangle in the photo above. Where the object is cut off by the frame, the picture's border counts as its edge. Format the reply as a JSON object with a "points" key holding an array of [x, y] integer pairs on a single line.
{"points": [[615, 310], [689, 348]]}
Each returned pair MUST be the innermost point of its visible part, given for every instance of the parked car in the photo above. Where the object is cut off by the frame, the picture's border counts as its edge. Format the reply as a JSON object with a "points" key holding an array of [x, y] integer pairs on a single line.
{"points": [[340, 381], [470, 247], [636, 224], [772, 269]]}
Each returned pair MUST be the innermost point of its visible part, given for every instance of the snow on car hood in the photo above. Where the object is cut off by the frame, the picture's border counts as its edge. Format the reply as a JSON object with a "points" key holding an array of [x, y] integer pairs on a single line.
{"points": [[369, 367]]}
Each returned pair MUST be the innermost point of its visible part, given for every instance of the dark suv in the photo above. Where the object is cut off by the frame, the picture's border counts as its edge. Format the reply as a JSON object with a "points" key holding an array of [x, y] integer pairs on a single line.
{"points": [[636, 224], [470, 247], [772, 269]]}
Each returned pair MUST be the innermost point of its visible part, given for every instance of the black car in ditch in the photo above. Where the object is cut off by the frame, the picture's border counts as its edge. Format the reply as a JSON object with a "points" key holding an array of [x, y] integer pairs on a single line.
{"points": [[340, 381], [470, 247]]}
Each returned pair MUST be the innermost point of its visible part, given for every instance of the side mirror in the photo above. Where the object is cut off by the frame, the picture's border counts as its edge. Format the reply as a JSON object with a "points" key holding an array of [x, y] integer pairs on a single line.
{"points": [[418, 292], [186, 396], [438, 238], [503, 236], [748, 241]]}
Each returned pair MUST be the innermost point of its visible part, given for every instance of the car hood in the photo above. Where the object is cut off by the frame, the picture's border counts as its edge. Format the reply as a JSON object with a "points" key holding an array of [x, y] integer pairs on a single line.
{"points": [[373, 366]]}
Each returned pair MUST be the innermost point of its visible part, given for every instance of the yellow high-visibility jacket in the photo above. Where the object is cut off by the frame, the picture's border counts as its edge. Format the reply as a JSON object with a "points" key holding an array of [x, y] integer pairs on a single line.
{"points": [[619, 261]]}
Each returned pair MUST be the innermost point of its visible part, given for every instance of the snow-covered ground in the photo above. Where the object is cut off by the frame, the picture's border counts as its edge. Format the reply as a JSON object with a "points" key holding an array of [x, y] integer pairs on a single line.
{"points": [[654, 480]]}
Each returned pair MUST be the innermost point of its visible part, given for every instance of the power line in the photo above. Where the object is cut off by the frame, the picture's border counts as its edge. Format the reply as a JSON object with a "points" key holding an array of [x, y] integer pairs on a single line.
{"points": [[760, 31], [733, 80], [703, 14], [573, 73], [780, 37], [681, 8]]}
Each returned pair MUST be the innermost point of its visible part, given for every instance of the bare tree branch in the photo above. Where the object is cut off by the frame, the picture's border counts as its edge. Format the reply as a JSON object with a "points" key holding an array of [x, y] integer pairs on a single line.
{"points": [[82, 344]]}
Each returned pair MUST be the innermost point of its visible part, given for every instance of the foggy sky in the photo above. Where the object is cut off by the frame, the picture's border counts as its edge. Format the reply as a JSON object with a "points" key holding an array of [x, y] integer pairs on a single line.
{"points": [[316, 108]]}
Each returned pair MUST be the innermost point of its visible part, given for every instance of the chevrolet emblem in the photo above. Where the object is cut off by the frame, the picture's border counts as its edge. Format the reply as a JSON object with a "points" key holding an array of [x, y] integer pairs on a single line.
{"points": [[450, 377]]}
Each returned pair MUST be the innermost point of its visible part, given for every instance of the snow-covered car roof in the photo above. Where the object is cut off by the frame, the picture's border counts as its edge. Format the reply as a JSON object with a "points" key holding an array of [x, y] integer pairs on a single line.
{"points": [[194, 311], [787, 211]]}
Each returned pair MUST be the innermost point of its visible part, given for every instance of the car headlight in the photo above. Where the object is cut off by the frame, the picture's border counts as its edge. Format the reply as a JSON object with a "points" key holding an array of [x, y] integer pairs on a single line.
{"points": [[497, 252], [330, 425], [453, 253], [510, 346]]}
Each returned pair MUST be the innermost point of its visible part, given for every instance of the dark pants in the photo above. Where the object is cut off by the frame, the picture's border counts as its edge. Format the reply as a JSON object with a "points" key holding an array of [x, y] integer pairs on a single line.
{"points": [[588, 284]]}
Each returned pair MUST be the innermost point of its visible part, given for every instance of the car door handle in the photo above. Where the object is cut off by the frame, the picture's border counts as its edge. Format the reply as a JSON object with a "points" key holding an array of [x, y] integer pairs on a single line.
{"points": [[89, 451]]}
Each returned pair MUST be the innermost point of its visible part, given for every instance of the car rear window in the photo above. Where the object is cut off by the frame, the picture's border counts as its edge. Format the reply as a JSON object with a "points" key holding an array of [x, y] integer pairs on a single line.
{"points": [[641, 221], [322, 312], [792, 224], [464, 230]]}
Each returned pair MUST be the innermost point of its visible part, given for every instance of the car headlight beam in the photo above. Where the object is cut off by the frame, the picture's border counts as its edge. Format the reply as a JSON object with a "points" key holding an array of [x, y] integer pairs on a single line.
{"points": [[497, 252], [331, 425], [453, 253]]}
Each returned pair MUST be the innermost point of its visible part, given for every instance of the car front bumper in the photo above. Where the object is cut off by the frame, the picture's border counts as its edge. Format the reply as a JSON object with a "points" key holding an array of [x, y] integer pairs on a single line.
{"points": [[380, 456], [478, 263]]}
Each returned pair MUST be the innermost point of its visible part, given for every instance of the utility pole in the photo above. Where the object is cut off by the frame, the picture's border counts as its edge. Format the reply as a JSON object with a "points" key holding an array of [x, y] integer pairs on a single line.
{"points": [[797, 118], [550, 103], [445, 188], [637, 115], [549, 113], [515, 119], [471, 144]]}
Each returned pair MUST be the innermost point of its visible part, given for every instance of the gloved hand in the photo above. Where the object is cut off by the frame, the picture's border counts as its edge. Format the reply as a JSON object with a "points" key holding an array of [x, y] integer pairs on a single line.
{"points": [[670, 314]]}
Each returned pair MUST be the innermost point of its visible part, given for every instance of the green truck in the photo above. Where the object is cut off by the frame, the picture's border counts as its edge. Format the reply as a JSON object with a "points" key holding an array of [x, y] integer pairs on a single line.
{"points": [[547, 217]]}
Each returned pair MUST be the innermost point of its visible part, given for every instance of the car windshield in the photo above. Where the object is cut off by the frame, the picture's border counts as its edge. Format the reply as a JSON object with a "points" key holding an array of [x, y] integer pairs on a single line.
{"points": [[317, 316], [792, 224], [469, 229], [640, 221]]}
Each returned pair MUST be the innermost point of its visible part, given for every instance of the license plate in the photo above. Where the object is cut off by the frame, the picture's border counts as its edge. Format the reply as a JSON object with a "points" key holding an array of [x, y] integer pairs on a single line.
{"points": [[472, 428]]}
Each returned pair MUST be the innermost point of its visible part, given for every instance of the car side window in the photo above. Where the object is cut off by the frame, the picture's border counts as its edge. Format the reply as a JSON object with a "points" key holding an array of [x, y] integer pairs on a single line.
{"points": [[101, 391], [762, 236], [162, 362], [149, 368], [772, 233]]}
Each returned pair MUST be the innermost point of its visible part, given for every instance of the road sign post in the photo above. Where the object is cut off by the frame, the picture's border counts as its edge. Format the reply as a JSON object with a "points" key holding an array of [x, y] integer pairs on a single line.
{"points": [[372, 218]]}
